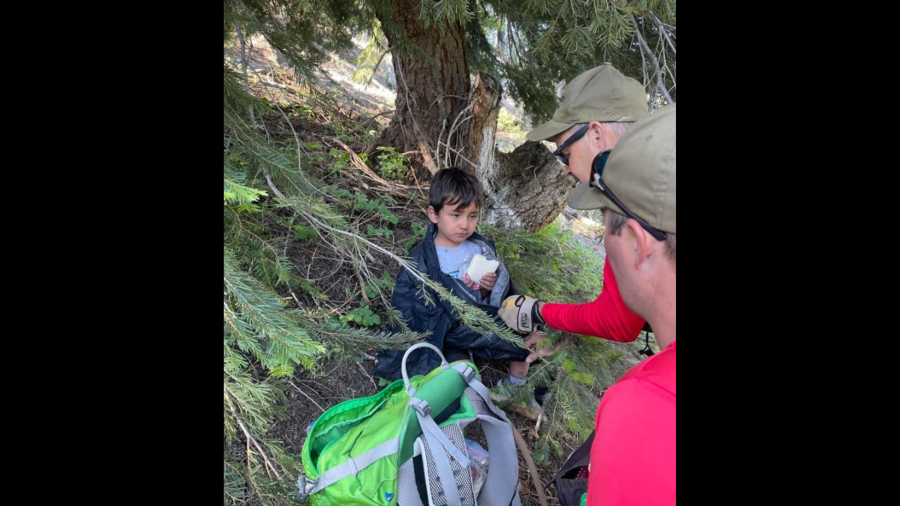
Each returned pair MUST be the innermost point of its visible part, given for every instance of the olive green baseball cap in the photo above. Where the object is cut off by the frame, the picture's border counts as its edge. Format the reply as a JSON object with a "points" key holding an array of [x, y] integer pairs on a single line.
{"points": [[601, 94], [640, 171]]}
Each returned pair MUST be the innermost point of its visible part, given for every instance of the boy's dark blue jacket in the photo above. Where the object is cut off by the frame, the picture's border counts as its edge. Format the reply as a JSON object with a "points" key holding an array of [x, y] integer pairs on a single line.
{"points": [[447, 333]]}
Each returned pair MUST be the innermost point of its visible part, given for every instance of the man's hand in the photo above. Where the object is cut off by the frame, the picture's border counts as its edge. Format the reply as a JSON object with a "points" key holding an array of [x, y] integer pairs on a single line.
{"points": [[539, 346], [517, 311]]}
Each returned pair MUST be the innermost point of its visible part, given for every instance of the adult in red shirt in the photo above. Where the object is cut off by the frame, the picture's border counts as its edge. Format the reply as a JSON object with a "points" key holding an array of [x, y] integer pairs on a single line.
{"points": [[633, 454], [596, 108]]}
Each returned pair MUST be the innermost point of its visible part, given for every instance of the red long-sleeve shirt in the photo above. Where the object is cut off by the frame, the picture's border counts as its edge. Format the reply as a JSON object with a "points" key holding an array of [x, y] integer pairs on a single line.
{"points": [[607, 317]]}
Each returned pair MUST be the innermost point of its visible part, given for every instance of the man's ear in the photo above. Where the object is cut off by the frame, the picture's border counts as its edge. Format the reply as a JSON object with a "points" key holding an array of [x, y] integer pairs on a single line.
{"points": [[639, 242]]}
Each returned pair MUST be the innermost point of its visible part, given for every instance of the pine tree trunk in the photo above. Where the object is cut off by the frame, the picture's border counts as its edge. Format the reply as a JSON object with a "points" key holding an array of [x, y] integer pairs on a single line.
{"points": [[482, 136], [451, 122], [431, 95]]}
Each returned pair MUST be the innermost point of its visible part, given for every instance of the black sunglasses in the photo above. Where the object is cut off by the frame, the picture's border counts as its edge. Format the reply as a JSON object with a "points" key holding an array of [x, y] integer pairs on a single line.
{"points": [[564, 159], [597, 182]]}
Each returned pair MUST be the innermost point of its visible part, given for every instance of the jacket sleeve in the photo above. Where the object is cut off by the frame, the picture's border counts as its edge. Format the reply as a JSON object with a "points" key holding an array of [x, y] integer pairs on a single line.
{"points": [[408, 300]]}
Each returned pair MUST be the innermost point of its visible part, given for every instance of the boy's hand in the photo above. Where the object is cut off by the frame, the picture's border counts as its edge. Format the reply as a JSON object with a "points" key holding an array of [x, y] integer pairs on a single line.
{"points": [[469, 283], [488, 281]]}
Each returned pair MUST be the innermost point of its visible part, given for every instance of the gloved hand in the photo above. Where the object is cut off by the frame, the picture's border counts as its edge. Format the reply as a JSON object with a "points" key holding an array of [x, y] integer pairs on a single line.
{"points": [[520, 313]]}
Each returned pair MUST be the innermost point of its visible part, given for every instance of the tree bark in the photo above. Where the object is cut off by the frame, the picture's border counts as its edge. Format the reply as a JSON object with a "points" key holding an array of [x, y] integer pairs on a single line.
{"points": [[525, 189], [432, 85], [451, 121]]}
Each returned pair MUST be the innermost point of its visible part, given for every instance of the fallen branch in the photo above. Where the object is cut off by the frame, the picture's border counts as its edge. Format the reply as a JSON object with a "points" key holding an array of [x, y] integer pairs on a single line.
{"points": [[382, 113], [394, 189], [367, 375], [308, 397], [532, 469], [362, 286], [276, 85], [250, 438], [361, 165]]}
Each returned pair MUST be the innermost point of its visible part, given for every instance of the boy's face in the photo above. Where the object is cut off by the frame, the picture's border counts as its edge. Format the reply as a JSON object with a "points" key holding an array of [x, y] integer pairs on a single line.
{"points": [[454, 224]]}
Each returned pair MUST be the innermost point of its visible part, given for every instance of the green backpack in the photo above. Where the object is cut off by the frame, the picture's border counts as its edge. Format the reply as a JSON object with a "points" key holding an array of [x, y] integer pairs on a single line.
{"points": [[405, 445]]}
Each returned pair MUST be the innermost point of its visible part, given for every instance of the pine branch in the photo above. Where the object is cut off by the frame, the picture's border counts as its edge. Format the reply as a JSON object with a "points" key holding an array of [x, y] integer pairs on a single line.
{"points": [[336, 334], [252, 439], [237, 25], [471, 316], [288, 344]]}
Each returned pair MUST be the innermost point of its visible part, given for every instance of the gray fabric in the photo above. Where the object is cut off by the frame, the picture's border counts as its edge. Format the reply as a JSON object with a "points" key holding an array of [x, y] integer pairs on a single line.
{"points": [[407, 489], [485, 396], [502, 481], [462, 476], [354, 465], [445, 478], [452, 259], [503, 279], [436, 437], [420, 406], [460, 258], [501, 485], [464, 370], [478, 387]]}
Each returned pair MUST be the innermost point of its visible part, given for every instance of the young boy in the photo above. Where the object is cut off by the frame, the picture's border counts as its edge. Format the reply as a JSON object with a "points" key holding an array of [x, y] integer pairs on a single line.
{"points": [[450, 244]]}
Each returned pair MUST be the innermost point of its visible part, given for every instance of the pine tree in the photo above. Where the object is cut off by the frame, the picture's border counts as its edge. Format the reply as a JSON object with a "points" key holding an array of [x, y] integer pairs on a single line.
{"points": [[272, 200], [269, 201]]}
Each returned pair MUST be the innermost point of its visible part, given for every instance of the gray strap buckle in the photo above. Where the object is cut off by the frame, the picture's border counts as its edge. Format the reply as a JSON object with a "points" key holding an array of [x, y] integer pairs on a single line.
{"points": [[467, 373], [306, 487], [420, 406]]}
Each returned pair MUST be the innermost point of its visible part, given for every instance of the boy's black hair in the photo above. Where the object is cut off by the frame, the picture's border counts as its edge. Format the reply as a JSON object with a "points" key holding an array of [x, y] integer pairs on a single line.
{"points": [[454, 187]]}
